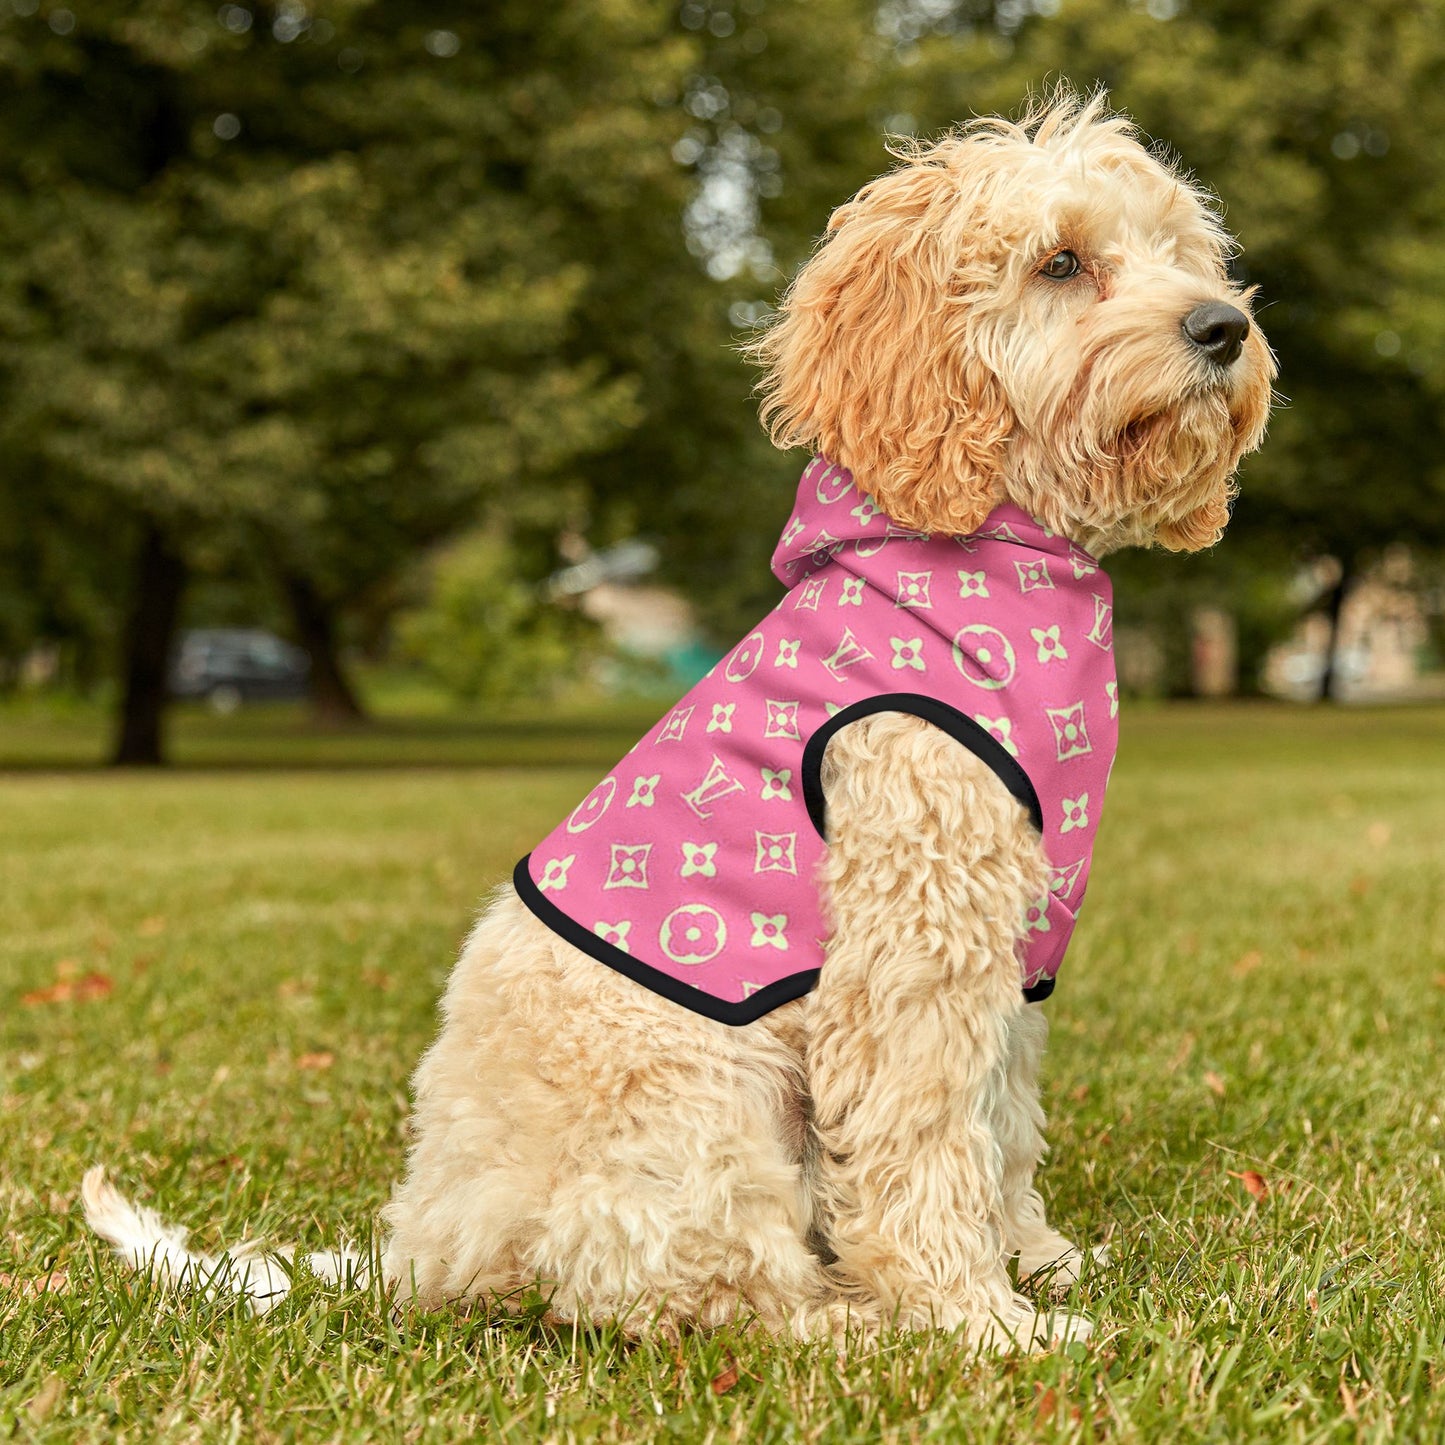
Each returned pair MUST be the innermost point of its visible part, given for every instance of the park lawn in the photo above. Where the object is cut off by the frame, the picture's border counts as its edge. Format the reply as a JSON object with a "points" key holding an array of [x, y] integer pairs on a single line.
{"points": [[1254, 1004]]}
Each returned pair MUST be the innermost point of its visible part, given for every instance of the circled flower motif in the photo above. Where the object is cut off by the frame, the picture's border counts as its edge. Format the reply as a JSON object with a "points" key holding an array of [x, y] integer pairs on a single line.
{"points": [[770, 931], [721, 720], [1036, 916], [698, 858], [1049, 644], [693, 934], [852, 594], [973, 584], [554, 875], [614, 933], [788, 652], [1001, 730], [1076, 813], [775, 785], [908, 652], [644, 791], [745, 658], [984, 656], [593, 806]]}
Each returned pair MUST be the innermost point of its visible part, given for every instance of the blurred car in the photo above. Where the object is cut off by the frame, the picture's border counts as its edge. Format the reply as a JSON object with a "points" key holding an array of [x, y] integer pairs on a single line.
{"points": [[228, 666]]}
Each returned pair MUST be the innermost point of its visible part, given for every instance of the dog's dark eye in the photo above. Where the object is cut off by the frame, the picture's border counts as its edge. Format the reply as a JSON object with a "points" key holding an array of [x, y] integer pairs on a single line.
{"points": [[1060, 266]]}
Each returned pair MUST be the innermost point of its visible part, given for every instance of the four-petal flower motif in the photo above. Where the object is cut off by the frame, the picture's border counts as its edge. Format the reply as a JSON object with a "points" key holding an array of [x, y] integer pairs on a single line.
{"points": [[865, 511], [614, 933], [1036, 916], [1033, 575], [1001, 730], [810, 594], [973, 584], [1049, 644], [775, 785], [908, 652], [721, 720], [699, 859], [1076, 813], [770, 931], [554, 875], [788, 652], [852, 593], [644, 790]]}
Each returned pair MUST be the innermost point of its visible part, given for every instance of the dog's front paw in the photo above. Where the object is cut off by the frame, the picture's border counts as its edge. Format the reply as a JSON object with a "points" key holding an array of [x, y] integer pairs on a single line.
{"points": [[1058, 1270], [1023, 1326]]}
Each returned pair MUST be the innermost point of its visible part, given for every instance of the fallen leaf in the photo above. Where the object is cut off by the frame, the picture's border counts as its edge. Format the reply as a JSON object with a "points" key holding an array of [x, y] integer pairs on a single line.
{"points": [[1347, 1399], [295, 987], [66, 990], [1046, 1407], [724, 1382], [322, 1059], [56, 1282], [1080, 1094], [151, 927], [1360, 885], [1214, 1083], [67, 968], [1248, 962], [1440, 980], [1378, 834], [377, 978], [1255, 1184]]}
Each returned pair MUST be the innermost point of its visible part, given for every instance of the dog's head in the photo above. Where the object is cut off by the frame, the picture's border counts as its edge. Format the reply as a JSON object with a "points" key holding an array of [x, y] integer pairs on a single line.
{"points": [[1036, 312]]}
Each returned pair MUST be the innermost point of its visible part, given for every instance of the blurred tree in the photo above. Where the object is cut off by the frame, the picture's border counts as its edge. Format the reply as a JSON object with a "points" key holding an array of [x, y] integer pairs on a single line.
{"points": [[292, 281]]}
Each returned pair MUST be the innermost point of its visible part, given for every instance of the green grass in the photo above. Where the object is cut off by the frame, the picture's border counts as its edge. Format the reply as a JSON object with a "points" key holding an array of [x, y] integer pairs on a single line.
{"points": [[1256, 985]]}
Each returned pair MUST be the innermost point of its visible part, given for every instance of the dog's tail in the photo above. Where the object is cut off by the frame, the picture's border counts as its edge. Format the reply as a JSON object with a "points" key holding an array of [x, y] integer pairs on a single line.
{"points": [[147, 1243]]}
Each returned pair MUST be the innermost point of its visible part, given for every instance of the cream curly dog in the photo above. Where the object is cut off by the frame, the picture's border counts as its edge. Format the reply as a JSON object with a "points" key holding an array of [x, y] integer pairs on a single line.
{"points": [[1031, 314]]}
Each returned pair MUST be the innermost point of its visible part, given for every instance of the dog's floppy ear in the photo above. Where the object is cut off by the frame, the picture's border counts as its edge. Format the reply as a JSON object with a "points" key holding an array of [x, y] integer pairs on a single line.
{"points": [[872, 361]]}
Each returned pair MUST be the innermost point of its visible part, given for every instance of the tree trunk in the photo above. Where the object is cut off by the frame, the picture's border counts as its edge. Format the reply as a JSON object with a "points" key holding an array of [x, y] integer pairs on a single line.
{"points": [[1329, 677], [160, 578], [333, 699]]}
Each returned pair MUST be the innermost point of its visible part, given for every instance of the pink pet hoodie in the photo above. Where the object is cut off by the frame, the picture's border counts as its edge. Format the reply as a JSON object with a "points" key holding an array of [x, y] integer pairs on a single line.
{"points": [[692, 866]]}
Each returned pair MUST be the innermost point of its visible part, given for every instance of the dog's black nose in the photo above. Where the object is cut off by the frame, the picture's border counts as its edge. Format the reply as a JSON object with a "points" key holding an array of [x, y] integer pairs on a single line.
{"points": [[1218, 330]]}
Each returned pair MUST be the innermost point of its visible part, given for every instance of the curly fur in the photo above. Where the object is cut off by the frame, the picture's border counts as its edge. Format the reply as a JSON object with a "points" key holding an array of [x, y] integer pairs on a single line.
{"points": [[865, 1155]]}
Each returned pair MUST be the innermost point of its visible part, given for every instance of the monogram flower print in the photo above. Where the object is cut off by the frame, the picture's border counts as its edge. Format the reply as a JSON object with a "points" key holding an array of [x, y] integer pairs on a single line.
{"points": [[788, 652], [644, 790], [775, 785], [614, 933], [908, 652], [1049, 644], [629, 866], [852, 593], [1001, 730], [770, 930], [973, 584], [697, 860], [913, 589], [721, 720], [554, 875], [1076, 813]]}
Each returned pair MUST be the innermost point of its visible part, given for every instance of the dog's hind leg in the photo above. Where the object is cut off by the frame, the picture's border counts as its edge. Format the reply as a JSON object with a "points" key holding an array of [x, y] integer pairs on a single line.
{"points": [[1019, 1127], [930, 866]]}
